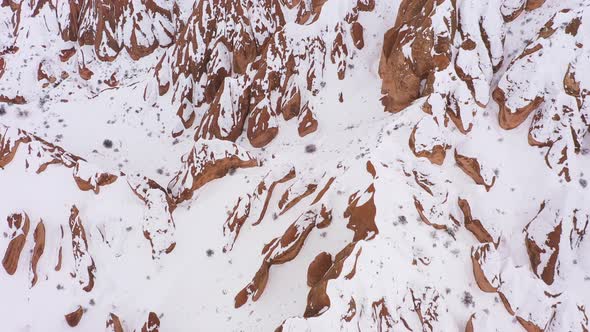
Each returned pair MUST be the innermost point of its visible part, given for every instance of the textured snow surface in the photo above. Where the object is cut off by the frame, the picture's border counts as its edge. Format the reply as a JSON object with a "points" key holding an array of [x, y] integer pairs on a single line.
{"points": [[300, 165]]}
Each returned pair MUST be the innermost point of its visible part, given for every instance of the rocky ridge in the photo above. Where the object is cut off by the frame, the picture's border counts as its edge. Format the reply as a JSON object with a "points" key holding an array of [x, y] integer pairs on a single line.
{"points": [[404, 195]]}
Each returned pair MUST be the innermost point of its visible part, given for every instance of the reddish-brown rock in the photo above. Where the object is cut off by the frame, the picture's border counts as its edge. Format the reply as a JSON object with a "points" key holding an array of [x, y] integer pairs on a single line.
{"points": [[307, 122], [317, 298], [318, 268], [207, 161], [543, 237], [361, 218], [18, 225], [84, 267], [74, 317], [114, 324], [472, 167], [262, 187], [474, 225], [152, 324], [39, 237], [279, 251]]}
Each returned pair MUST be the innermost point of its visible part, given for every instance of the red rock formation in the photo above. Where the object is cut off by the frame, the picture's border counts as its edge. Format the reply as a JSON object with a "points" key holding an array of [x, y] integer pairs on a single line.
{"points": [[19, 100], [478, 258], [262, 187], [323, 191], [18, 229], [152, 324], [433, 147], [474, 225], [253, 206], [137, 27], [351, 312], [326, 215], [361, 212], [91, 180], [558, 101], [158, 227], [84, 267], [543, 236], [2, 66], [226, 117], [39, 154], [469, 325], [307, 122], [251, 73], [39, 237], [114, 324], [318, 268], [262, 126], [235, 220], [59, 251], [512, 9], [291, 101], [279, 251], [9, 142], [535, 311], [431, 197], [43, 154], [450, 62], [430, 50], [309, 11], [216, 51], [381, 316], [425, 213], [294, 194], [474, 169], [207, 161], [424, 304], [318, 300], [339, 52], [74, 317]]}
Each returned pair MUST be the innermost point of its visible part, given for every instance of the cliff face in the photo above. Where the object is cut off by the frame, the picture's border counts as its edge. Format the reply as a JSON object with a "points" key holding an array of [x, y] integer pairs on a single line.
{"points": [[294, 165]]}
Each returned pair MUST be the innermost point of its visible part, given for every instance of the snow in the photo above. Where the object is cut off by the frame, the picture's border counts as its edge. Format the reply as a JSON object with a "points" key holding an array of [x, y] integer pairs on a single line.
{"points": [[130, 225]]}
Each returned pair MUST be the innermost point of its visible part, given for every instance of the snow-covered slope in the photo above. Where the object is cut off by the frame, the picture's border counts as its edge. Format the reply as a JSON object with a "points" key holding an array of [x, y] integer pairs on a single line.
{"points": [[298, 165]]}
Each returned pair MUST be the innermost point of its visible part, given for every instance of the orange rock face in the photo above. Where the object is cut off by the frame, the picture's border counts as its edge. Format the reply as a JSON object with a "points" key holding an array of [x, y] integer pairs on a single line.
{"points": [[318, 268], [559, 120], [74, 317], [248, 76], [39, 237], [473, 225], [472, 168], [318, 300], [152, 324], [92, 181], [18, 226], [382, 316], [204, 163], [401, 76], [543, 237], [307, 124], [100, 26], [294, 194], [236, 219], [436, 154], [2, 66], [114, 324], [83, 261], [279, 251], [262, 187], [361, 212], [511, 11]]}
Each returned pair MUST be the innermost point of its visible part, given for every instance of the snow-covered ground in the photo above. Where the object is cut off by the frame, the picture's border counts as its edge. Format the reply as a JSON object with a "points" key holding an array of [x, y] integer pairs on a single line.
{"points": [[414, 249]]}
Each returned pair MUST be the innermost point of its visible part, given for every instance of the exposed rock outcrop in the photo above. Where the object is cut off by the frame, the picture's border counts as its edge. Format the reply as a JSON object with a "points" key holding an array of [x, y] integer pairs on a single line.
{"points": [[207, 161]]}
